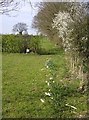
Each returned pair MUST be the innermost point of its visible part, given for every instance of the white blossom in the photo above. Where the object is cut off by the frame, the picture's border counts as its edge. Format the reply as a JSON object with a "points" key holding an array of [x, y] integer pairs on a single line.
{"points": [[51, 78], [61, 22], [48, 83]]}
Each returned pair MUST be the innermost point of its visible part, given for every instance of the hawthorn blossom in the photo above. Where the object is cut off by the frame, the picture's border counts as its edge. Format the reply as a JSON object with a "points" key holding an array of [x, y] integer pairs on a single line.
{"points": [[61, 23]]}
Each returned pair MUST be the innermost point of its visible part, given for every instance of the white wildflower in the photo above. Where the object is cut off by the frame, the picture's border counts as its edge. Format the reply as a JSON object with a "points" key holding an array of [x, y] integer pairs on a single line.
{"points": [[53, 81], [80, 116], [51, 78], [71, 106], [49, 89], [48, 94], [52, 98], [48, 83], [47, 66], [42, 100]]}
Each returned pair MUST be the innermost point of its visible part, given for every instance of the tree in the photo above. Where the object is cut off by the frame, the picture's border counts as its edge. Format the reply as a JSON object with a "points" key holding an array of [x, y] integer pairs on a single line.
{"points": [[73, 28], [20, 28], [44, 19], [8, 5], [67, 20]]}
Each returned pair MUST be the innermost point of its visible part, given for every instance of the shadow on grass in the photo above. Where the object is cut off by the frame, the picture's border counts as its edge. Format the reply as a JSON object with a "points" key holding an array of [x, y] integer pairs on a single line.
{"points": [[52, 51]]}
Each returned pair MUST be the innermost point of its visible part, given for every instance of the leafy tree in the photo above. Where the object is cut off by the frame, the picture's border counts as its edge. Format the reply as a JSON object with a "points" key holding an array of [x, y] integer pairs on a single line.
{"points": [[20, 28]]}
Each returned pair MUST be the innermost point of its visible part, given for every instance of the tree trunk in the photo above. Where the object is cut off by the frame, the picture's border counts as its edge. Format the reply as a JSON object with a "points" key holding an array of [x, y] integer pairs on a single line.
{"points": [[20, 33]]}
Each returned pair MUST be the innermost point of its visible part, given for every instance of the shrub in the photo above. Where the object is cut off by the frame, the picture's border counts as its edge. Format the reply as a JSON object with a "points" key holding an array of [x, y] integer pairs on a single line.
{"points": [[35, 44], [19, 43], [10, 43]]}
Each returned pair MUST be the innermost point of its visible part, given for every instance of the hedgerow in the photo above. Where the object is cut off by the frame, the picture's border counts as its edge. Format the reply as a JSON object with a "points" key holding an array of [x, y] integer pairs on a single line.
{"points": [[19, 43]]}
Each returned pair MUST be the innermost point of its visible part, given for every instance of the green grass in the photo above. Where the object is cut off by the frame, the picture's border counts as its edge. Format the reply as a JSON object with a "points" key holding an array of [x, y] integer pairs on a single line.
{"points": [[24, 85], [48, 48]]}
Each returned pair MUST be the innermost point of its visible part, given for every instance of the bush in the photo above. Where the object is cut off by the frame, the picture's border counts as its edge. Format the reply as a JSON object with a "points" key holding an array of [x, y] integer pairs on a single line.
{"points": [[35, 44], [10, 43], [19, 43]]}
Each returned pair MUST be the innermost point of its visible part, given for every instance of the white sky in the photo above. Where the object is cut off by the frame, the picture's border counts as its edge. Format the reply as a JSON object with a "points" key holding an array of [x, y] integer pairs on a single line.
{"points": [[25, 14]]}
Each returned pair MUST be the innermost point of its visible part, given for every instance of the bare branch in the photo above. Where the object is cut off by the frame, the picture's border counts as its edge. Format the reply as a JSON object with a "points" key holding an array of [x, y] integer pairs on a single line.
{"points": [[7, 6]]}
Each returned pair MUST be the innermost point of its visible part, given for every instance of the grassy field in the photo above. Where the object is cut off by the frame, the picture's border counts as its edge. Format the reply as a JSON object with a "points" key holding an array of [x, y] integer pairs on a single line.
{"points": [[24, 86]]}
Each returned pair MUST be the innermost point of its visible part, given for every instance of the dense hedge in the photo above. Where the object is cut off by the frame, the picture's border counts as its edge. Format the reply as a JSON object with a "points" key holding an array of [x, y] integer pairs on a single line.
{"points": [[19, 43]]}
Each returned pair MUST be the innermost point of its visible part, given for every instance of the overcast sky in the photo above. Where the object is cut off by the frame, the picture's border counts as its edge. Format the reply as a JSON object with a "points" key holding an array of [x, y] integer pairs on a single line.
{"points": [[25, 14]]}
